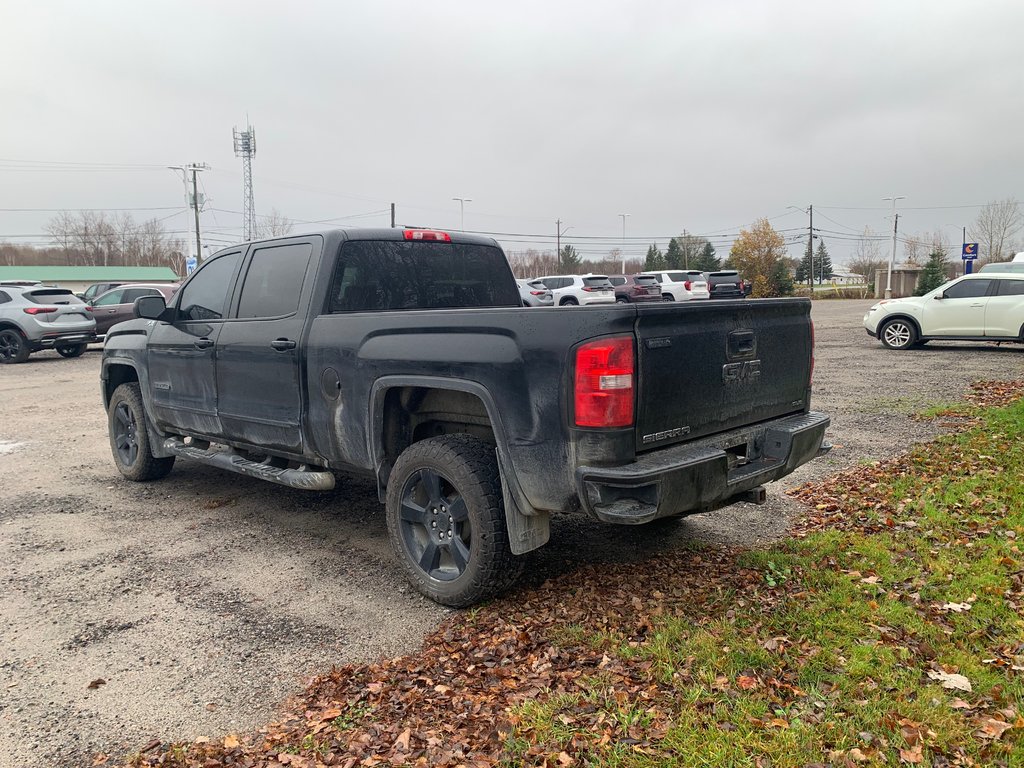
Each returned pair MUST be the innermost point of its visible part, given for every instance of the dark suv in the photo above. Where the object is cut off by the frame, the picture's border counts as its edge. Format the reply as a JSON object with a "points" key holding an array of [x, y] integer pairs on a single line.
{"points": [[635, 288], [727, 284]]}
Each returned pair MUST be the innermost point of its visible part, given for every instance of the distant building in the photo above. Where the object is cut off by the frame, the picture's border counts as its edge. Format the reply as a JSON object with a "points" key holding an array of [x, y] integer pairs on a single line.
{"points": [[78, 279]]}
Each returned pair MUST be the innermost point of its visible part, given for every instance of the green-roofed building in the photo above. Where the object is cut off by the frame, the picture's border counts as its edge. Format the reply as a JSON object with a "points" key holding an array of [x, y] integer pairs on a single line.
{"points": [[78, 279]]}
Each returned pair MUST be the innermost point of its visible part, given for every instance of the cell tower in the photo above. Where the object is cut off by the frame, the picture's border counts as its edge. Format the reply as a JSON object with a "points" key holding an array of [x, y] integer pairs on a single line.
{"points": [[245, 148]]}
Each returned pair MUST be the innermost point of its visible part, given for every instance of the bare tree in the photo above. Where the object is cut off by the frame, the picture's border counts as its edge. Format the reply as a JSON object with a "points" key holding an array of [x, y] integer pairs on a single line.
{"points": [[867, 257], [995, 229], [274, 224]]}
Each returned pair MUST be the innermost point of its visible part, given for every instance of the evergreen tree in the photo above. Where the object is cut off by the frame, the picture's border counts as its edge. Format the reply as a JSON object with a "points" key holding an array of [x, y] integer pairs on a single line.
{"points": [[707, 261], [780, 279], [655, 259], [805, 267], [674, 255], [934, 273], [822, 263], [569, 260]]}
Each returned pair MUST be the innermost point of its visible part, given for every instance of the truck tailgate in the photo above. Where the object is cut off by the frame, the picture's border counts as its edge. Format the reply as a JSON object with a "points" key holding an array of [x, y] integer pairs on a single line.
{"points": [[708, 367]]}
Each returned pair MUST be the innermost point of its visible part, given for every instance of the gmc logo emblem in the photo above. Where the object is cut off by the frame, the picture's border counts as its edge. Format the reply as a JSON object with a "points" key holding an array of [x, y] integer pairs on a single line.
{"points": [[734, 373]]}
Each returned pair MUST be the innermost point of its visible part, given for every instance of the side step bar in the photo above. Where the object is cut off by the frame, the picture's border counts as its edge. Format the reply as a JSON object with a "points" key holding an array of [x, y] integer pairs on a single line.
{"points": [[303, 478]]}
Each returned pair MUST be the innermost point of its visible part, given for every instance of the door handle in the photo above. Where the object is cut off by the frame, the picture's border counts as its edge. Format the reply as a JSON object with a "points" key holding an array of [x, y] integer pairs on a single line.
{"points": [[977, 305], [282, 345], [111, 311], [203, 343]]}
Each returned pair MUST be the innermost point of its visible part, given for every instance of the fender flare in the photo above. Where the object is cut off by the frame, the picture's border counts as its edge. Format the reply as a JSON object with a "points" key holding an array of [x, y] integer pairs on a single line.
{"points": [[528, 528]]}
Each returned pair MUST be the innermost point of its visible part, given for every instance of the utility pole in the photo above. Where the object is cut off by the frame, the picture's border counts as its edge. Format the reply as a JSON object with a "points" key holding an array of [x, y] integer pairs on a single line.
{"points": [[195, 209], [462, 211], [192, 198], [892, 256], [624, 215], [810, 243], [392, 215]]}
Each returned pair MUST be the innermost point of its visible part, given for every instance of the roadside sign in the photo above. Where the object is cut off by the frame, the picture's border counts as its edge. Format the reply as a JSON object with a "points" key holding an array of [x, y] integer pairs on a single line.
{"points": [[970, 251], [190, 265]]}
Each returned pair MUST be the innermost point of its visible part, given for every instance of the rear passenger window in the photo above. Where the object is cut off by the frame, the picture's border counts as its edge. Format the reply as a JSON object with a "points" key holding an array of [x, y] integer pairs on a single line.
{"points": [[617, 280], [4, 297], [1011, 288], [273, 282]]}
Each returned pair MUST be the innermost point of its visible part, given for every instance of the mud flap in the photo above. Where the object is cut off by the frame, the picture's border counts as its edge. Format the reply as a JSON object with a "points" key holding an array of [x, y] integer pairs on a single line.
{"points": [[526, 532]]}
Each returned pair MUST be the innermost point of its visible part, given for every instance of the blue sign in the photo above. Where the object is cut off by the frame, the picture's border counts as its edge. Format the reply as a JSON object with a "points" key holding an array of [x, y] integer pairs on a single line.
{"points": [[190, 265], [970, 251]]}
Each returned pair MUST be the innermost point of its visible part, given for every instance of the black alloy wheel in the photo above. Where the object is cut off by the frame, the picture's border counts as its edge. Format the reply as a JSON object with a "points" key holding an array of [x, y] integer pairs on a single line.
{"points": [[72, 350], [13, 348], [435, 525], [129, 439], [446, 520]]}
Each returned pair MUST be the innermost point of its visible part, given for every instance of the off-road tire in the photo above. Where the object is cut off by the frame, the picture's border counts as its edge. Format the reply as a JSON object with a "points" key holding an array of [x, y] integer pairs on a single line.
{"points": [[898, 334], [467, 469], [13, 346], [129, 438], [72, 350]]}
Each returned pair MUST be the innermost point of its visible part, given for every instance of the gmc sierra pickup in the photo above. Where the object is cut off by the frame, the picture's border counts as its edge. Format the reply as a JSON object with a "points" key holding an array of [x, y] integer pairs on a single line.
{"points": [[405, 354]]}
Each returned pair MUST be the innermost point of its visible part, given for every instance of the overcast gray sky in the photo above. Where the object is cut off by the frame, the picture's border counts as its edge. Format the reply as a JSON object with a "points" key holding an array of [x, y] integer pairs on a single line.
{"points": [[696, 115]]}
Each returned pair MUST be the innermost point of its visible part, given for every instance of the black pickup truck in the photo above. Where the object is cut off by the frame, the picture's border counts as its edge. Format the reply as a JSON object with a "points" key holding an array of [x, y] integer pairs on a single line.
{"points": [[405, 354]]}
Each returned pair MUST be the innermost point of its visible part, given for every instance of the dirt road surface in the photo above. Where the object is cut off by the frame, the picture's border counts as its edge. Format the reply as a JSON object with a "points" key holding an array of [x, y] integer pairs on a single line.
{"points": [[193, 606]]}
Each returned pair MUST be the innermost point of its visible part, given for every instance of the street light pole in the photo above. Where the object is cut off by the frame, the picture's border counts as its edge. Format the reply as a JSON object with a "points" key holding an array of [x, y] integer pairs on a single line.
{"points": [[892, 256], [462, 211], [624, 215]]}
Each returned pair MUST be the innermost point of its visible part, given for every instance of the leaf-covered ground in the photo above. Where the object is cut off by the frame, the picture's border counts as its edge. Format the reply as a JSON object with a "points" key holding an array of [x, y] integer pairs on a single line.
{"points": [[887, 631]]}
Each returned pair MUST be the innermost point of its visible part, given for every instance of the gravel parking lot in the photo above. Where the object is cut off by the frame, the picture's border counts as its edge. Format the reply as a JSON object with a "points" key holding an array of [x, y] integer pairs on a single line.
{"points": [[195, 605]]}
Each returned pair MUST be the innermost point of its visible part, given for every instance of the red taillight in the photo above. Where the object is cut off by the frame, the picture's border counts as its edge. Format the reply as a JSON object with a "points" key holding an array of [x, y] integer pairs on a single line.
{"points": [[687, 285], [87, 308], [588, 289], [537, 293], [427, 234], [604, 383], [742, 287], [39, 310]]}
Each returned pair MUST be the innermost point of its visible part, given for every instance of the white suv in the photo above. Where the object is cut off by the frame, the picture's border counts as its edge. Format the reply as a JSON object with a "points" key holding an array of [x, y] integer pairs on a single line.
{"points": [[681, 284], [572, 290], [981, 307]]}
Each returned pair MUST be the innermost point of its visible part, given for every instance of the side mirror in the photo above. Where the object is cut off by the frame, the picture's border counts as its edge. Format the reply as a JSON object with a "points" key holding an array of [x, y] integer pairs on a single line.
{"points": [[940, 296], [150, 307]]}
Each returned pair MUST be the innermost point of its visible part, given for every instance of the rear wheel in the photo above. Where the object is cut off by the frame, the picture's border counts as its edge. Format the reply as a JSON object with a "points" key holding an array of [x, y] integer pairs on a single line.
{"points": [[13, 347], [129, 438], [569, 302], [72, 350], [898, 334], [667, 297], [621, 300], [446, 520]]}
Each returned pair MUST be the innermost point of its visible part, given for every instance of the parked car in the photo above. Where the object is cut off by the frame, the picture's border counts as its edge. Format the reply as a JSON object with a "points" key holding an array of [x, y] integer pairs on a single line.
{"points": [[571, 290], [117, 305], [698, 284], [405, 355], [726, 284], [630, 288], [96, 289], [535, 294], [1003, 266], [986, 306], [677, 285], [33, 318]]}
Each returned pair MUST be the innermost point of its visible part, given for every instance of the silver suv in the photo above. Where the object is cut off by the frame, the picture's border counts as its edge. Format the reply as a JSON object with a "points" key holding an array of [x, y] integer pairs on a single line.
{"points": [[34, 317]]}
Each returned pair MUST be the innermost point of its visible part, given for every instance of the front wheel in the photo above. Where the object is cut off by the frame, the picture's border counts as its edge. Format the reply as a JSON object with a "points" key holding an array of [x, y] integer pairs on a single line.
{"points": [[898, 334], [446, 520], [129, 438], [72, 350], [13, 347]]}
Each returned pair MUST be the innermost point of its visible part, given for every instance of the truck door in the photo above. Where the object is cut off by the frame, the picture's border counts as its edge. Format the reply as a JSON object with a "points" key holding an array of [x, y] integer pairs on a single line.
{"points": [[260, 352], [181, 353]]}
